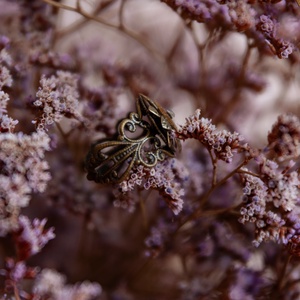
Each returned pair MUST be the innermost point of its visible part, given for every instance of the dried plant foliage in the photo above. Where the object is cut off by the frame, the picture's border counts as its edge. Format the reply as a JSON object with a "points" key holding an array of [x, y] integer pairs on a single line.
{"points": [[219, 219]]}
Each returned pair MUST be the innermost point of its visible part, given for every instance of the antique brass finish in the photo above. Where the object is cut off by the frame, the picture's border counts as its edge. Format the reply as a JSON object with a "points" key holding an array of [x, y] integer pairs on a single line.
{"points": [[110, 161]]}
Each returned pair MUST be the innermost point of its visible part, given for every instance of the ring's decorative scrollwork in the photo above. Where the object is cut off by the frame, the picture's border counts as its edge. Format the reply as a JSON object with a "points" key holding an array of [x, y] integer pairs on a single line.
{"points": [[143, 138]]}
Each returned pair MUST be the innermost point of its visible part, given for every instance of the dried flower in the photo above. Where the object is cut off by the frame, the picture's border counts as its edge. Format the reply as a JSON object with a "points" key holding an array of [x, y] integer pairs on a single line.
{"points": [[222, 143], [241, 14], [284, 138], [267, 25], [14, 273], [155, 241], [268, 201], [7, 124], [50, 283], [57, 97], [280, 46], [202, 11], [102, 110], [31, 237], [5, 77], [293, 246], [23, 171], [164, 177], [236, 60]]}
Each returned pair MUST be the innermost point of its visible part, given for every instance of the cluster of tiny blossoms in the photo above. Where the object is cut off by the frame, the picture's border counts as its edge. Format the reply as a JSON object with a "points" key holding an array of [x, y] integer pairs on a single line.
{"points": [[57, 97], [31, 237], [101, 120], [202, 11], [222, 143], [284, 138], [52, 285], [234, 14], [47, 284], [270, 202], [166, 177], [7, 124], [246, 18], [15, 272], [268, 27], [23, 170]]}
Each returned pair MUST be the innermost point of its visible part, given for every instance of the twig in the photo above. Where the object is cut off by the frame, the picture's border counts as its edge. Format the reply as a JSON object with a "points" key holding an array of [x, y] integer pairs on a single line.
{"points": [[123, 29], [196, 214], [143, 210]]}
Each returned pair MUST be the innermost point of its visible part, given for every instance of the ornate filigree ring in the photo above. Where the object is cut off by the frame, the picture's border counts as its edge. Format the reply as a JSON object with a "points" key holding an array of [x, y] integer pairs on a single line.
{"points": [[145, 137]]}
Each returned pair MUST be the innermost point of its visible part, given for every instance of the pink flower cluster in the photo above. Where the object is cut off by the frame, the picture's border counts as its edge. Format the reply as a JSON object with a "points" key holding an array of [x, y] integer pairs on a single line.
{"points": [[234, 14], [23, 171], [31, 237], [281, 47], [7, 124], [52, 285], [57, 97], [197, 216], [268, 202], [284, 138], [165, 177], [245, 17], [222, 143]]}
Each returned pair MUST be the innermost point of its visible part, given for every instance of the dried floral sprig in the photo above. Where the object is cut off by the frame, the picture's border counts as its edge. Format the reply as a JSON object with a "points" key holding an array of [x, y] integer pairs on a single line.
{"points": [[281, 47], [7, 124], [293, 246], [270, 202], [166, 177], [242, 17], [23, 171], [217, 55], [14, 273], [5, 63], [51, 284], [101, 111], [284, 138], [57, 97], [31, 237], [222, 143]]}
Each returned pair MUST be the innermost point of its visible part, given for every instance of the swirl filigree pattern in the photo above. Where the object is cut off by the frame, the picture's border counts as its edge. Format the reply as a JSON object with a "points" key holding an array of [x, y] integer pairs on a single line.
{"points": [[143, 138]]}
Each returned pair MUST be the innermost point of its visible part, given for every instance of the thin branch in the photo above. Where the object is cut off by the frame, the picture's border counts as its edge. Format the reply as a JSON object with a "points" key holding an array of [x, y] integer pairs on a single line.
{"points": [[236, 96], [121, 11], [16, 292], [205, 198], [143, 209], [220, 211], [124, 30], [283, 272], [80, 23], [214, 164], [249, 173]]}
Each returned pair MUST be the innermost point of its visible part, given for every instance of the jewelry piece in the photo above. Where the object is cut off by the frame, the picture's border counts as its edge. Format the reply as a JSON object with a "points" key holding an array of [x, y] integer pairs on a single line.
{"points": [[161, 120], [144, 137]]}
